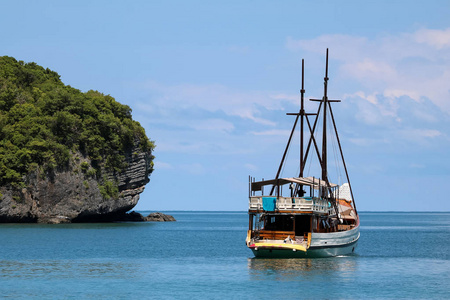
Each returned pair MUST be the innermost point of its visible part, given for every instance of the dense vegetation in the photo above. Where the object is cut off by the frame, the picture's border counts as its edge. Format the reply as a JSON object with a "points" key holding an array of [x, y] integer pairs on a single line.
{"points": [[44, 122]]}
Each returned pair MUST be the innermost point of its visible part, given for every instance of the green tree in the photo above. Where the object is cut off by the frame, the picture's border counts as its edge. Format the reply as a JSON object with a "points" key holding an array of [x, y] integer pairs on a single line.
{"points": [[43, 122]]}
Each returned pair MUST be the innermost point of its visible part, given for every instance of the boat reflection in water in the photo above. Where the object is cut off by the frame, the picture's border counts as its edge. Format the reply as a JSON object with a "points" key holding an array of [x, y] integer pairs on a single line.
{"points": [[303, 269]]}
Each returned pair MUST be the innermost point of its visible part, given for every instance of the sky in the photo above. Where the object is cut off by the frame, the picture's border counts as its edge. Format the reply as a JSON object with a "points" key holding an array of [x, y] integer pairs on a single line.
{"points": [[211, 83]]}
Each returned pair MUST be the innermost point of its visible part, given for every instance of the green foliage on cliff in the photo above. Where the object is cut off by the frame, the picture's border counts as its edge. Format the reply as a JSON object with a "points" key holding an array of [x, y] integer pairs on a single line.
{"points": [[109, 189], [43, 121]]}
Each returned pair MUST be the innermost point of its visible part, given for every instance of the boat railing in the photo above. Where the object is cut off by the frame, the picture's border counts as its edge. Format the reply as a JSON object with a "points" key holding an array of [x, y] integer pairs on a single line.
{"points": [[255, 203], [269, 203]]}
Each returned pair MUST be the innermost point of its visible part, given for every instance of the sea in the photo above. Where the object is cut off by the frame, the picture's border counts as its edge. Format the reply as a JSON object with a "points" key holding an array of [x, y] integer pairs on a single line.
{"points": [[400, 255]]}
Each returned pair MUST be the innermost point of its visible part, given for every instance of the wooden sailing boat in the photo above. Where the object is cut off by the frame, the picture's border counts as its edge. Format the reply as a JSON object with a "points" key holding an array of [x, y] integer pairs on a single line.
{"points": [[317, 218]]}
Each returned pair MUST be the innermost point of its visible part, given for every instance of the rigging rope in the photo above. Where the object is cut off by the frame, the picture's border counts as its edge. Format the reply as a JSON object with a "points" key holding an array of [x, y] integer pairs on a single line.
{"points": [[312, 147], [284, 163], [334, 147]]}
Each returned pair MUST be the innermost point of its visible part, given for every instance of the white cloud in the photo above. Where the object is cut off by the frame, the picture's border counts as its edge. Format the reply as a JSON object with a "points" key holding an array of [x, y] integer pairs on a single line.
{"points": [[436, 38], [425, 133], [370, 70], [292, 98], [213, 125], [395, 81], [397, 93], [212, 98], [408, 64], [179, 145], [200, 142], [275, 132]]}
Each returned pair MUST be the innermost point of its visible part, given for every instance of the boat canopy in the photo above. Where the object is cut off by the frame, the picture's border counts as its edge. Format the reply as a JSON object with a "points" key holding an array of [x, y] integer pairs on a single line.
{"points": [[344, 192], [309, 181]]}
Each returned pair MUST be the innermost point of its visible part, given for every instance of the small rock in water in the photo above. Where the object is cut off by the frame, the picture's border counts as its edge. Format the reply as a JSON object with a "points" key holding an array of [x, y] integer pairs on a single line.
{"points": [[159, 217]]}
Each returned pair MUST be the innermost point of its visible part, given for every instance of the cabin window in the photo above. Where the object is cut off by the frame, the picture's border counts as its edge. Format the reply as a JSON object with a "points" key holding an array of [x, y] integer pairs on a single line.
{"points": [[279, 222], [302, 224]]}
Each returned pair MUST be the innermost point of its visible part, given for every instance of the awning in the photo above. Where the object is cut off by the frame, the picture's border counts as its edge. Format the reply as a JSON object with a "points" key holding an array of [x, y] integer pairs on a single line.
{"points": [[309, 181], [344, 192]]}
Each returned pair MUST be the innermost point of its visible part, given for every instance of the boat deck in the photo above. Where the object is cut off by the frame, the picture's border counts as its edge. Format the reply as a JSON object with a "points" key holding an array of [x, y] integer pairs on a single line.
{"points": [[289, 204], [297, 244]]}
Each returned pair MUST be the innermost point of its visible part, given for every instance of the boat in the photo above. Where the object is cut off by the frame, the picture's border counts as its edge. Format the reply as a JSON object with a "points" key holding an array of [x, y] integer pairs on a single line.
{"points": [[305, 216]]}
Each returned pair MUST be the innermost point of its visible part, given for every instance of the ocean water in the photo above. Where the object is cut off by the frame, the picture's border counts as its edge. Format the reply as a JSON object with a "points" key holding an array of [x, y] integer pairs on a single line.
{"points": [[203, 256]]}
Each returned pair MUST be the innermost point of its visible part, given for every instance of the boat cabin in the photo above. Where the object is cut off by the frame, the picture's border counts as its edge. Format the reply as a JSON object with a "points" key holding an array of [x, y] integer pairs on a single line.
{"points": [[296, 207]]}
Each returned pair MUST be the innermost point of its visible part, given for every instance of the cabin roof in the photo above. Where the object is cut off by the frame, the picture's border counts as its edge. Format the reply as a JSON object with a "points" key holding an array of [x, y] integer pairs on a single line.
{"points": [[309, 181]]}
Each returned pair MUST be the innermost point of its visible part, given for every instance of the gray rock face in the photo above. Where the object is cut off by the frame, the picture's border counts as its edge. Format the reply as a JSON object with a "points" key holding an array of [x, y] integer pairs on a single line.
{"points": [[159, 217], [134, 216], [74, 196]]}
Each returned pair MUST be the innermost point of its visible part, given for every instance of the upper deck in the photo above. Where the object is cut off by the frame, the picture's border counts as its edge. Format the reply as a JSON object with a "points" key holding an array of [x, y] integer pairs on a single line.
{"points": [[291, 204]]}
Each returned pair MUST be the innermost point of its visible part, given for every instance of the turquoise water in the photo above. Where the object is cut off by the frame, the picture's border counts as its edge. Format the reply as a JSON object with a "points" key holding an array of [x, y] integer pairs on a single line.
{"points": [[203, 256]]}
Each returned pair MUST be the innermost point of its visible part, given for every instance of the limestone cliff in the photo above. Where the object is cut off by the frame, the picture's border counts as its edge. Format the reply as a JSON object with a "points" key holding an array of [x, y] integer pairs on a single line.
{"points": [[76, 196], [66, 155]]}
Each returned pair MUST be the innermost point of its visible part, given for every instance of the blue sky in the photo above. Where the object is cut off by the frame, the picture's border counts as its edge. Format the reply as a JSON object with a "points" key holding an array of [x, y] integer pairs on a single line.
{"points": [[212, 81]]}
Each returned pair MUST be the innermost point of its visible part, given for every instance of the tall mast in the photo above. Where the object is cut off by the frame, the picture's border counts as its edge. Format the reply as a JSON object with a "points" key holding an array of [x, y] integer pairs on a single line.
{"points": [[326, 105], [302, 115], [323, 161], [324, 138]]}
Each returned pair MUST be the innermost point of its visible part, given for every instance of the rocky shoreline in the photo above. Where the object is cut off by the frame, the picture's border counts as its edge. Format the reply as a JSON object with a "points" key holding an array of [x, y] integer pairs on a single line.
{"points": [[74, 196], [132, 216]]}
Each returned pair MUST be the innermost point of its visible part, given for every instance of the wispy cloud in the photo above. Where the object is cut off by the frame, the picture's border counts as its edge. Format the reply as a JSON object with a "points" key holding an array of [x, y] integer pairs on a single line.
{"points": [[425, 135], [436, 38], [212, 98], [400, 91], [213, 125], [395, 102], [416, 65], [275, 132]]}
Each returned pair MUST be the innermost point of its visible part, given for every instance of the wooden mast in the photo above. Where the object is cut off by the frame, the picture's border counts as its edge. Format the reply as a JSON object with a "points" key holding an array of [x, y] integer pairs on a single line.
{"points": [[324, 138], [323, 160], [326, 104], [302, 115]]}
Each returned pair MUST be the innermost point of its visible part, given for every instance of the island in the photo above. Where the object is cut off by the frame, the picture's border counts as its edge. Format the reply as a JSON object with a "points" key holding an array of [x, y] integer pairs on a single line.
{"points": [[66, 155]]}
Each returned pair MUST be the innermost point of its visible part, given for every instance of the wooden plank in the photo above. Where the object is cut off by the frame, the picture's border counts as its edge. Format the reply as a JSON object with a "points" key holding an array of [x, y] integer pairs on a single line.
{"points": [[343, 227], [276, 235]]}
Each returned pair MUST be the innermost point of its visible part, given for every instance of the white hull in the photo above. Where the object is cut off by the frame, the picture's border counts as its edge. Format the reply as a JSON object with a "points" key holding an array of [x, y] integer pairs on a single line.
{"points": [[322, 245]]}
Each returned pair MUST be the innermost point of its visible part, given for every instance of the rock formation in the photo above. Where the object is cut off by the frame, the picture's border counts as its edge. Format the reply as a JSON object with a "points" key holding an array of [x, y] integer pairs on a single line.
{"points": [[159, 217], [137, 217], [66, 155], [73, 196]]}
